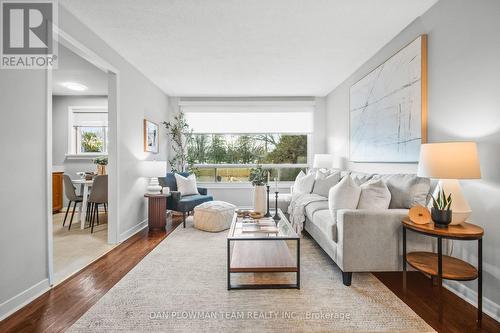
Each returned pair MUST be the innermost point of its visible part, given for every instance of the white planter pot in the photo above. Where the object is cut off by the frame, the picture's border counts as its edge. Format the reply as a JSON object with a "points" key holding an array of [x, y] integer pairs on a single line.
{"points": [[259, 199]]}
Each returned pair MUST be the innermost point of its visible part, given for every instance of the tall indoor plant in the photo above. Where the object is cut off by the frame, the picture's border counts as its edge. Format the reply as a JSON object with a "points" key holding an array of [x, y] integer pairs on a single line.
{"points": [[179, 133], [101, 162], [258, 177]]}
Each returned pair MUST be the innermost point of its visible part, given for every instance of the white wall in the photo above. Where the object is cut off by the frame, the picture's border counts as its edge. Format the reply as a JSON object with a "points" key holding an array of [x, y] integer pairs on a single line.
{"points": [[23, 223], [60, 111], [139, 98], [463, 104], [23, 234]]}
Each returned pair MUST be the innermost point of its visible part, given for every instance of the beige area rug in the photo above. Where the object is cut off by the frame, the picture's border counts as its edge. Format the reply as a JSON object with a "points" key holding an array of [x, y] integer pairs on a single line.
{"points": [[181, 287], [76, 248]]}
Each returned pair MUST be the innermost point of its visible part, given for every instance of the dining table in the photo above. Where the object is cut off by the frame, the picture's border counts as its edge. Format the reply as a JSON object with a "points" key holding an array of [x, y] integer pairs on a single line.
{"points": [[85, 186]]}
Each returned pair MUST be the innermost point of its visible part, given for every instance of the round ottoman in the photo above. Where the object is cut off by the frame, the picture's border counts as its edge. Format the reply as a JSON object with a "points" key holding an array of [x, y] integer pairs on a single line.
{"points": [[213, 216]]}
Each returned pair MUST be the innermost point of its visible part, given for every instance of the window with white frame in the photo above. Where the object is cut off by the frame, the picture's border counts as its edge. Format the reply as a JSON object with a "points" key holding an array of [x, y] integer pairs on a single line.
{"points": [[231, 138], [87, 131]]}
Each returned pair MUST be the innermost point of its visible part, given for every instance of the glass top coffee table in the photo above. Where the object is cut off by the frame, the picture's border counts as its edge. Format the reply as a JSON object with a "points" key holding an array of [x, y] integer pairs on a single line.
{"points": [[263, 247]]}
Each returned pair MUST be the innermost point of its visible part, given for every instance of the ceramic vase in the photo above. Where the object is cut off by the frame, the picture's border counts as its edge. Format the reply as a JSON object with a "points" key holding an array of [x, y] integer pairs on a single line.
{"points": [[259, 199]]}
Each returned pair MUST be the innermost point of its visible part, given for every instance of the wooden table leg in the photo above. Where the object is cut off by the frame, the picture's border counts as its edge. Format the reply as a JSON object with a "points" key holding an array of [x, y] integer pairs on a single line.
{"points": [[479, 281], [440, 277], [404, 260]]}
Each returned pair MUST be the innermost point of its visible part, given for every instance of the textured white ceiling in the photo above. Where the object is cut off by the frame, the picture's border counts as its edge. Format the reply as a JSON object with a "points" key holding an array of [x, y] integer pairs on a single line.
{"points": [[73, 68], [247, 48]]}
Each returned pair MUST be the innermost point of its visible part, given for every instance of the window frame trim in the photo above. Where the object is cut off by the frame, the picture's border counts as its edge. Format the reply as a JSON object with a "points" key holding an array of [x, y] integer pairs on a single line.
{"points": [[71, 150]]}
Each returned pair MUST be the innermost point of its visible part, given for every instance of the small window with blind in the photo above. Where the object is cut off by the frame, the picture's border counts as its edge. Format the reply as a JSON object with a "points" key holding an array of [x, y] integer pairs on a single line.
{"points": [[88, 131]]}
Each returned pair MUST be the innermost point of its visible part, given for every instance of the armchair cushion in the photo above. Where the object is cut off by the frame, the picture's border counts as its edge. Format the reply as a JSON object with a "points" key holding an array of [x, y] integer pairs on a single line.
{"points": [[188, 202], [186, 185]]}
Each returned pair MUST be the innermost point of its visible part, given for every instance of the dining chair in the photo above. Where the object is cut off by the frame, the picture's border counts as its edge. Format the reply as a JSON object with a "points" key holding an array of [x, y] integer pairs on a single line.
{"points": [[69, 191], [98, 196]]}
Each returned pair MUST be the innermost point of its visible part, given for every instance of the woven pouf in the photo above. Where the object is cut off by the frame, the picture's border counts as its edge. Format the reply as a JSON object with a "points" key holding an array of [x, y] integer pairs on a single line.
{"points": [[213, 216]]}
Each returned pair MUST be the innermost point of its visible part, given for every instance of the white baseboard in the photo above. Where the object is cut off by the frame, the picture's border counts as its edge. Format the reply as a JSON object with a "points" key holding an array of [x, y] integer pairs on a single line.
{"points": [[23, 298], [132, 231], [489, 307]]}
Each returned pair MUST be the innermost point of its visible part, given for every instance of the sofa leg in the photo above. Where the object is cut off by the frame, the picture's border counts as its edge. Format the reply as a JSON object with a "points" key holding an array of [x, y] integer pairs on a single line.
{"points": [[184, 220], [346, 278]]}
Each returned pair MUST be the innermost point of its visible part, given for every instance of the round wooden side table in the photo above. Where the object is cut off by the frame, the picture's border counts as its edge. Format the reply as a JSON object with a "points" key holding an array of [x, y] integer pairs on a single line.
{"points": [[157, 211], [443, 266]]}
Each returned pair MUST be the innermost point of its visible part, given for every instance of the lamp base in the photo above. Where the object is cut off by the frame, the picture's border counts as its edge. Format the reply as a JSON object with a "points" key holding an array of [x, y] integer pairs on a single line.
{"points": [[460, 209], [154, 186]]}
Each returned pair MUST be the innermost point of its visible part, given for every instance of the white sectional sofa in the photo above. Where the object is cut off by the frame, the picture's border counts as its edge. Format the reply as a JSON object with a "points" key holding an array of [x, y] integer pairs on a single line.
{"points": [[364, 240]]}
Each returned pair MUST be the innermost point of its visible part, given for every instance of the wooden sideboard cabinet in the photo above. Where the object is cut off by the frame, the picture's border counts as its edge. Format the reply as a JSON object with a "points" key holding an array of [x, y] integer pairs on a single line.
{"points": [[57, 191]]}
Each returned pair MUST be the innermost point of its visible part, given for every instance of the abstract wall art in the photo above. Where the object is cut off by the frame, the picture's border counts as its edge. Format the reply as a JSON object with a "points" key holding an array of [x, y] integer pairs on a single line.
{"points": [[388, 108]]}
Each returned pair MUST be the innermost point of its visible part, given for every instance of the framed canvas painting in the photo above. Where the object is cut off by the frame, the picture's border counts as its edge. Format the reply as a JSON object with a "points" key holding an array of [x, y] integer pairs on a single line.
{"points": [[388, 108], [151, 132]]}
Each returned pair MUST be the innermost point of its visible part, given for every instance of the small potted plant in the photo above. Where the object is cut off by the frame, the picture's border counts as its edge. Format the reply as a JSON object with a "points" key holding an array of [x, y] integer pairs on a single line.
{"points": [[101, 163], [441, 209], [258, 179]]}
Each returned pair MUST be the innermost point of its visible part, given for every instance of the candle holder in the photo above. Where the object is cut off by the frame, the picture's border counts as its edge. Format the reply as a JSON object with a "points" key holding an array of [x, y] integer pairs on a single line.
{"points": [[268, 214], [276, 216]]}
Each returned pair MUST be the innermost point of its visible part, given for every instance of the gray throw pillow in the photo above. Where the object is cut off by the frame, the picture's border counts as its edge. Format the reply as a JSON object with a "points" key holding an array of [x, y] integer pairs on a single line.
{"points": [[374, 195], [407, 190], [324, 181]]}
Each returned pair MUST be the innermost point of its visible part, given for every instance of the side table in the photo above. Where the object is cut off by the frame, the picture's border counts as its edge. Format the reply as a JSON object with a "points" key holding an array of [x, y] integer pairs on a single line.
{"points": [[157, 211], [443, 266]]}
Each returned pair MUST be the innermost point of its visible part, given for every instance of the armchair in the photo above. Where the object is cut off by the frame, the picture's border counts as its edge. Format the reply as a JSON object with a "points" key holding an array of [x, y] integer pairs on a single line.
{"points": [[183, 204]]}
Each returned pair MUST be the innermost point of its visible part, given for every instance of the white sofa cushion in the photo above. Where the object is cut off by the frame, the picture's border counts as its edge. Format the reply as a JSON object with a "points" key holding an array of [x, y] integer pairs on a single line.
{"points": [[187, 186], [407, 190], [344, 195], [303, 183], [213, 216], [374, 195], [314, 207], [323, 221], [324, 181]]}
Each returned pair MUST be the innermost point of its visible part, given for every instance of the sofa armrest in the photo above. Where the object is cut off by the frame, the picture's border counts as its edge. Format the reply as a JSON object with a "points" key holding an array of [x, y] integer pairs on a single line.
{"points": [[369, 240], [202, 190]]}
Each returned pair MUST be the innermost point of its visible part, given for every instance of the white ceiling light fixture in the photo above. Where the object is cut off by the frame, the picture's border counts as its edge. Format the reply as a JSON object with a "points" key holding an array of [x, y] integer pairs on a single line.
{"points": [[74, 86]]}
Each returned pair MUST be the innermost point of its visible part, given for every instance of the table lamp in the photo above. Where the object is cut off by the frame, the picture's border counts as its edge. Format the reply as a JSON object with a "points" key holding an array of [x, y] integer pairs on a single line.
{"points": [[153, 170], [323, 161], [448, 162]]}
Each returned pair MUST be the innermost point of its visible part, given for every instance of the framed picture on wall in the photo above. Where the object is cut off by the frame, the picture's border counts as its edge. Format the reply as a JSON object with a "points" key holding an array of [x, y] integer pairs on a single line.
{"points": [[388, 108], [151, 133]]}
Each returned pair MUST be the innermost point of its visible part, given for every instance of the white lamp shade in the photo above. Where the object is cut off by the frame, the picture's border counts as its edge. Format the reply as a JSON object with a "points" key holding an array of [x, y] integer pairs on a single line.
{"points": [[323, 161], [449, 160], [155, 168]]}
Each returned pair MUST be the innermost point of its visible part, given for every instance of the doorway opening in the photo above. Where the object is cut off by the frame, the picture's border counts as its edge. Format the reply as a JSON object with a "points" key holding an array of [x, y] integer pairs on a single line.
{"points": [[82, 161]]}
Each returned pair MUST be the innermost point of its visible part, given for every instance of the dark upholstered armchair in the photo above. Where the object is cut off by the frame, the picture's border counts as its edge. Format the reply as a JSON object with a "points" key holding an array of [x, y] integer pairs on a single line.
{"points": [[183, 204]]}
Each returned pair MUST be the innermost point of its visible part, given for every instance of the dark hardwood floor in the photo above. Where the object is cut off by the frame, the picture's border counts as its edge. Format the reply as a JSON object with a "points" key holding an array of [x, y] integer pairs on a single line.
{"points": [[59, 308], [458, 315]]}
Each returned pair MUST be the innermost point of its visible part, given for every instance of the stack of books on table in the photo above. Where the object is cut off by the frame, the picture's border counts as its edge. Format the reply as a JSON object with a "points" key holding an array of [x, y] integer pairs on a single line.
{"points": [[264, 225]]}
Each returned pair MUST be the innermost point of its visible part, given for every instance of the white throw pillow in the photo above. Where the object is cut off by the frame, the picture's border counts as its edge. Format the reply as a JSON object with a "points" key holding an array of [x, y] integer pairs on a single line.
{"points": [[303, 183], [344, 195], [187, 186], [324, 181], [374, 195]]}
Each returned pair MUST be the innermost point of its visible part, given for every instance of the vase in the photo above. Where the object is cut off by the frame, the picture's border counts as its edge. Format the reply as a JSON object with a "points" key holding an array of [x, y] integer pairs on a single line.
{"points": [[101, 169], [259, 199], [441, 218]]}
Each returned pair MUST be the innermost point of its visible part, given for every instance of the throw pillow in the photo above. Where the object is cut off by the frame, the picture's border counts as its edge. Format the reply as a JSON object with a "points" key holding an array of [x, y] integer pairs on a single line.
{"points": [[374, 195], [187, 186], [407, 190], [303, 183], [344, 195], [324, 181]]}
